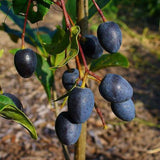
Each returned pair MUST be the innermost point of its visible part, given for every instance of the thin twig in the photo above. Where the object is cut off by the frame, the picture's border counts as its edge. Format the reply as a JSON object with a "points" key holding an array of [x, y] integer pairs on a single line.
{"points": [[25, 22], [99, 11]]}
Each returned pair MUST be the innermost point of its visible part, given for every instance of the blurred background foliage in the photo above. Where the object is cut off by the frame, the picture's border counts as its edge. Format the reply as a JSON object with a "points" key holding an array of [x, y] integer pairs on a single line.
{"points": [[135, 13]]}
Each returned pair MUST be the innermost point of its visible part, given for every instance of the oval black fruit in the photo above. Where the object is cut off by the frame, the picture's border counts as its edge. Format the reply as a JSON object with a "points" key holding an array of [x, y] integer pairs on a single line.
{"points": [[69, 77], [25, 61], [80, 104], [67, 132], [115, 88], [124, 110], [110, 36], [15, 100], [91, 47]]}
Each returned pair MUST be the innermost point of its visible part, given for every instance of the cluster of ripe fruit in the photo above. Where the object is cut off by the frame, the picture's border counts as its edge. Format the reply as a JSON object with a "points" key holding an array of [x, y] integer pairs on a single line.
{"points": [[109, 38], [114, 88]]}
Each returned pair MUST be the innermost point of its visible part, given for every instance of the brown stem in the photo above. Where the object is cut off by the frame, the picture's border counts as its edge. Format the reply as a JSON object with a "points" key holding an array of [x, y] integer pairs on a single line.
{"points": [[99, 11], [68, 25], [79, 67], [94, 75], [80, 147], [70, 19], [100, 115], [85, 63], [57, 3], [83, 57], [25, 22], [82, 14]]}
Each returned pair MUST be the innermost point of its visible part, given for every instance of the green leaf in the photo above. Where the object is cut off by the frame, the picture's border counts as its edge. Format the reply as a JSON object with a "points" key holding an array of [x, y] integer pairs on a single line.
{"points": [[5, 5], [59, 43], [62, 97], [30, 34], [66, 94], [109, 60], [18, 20], [71, 9], [13, 51], [92, 8], [42, 7], [70, 51], [1, 52], [8, 110], [57, 59], [44, 74]]}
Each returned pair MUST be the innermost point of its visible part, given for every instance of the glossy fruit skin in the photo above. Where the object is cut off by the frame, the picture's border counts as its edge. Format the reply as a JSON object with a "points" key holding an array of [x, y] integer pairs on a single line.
{"points": [[80, 104], [124, 110], [25, 61], [15, 100], [115, 88], [67, 132], [69, 77], [110, 36], [91, 47]]}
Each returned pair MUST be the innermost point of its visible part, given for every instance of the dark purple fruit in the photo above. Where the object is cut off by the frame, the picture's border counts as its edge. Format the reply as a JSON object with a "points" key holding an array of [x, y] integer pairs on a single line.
{"points": [[124, 110], [25, 61], [15, 100], [115, 88], [91, 47], [110, 36], [80, 104], [69, 78], [67, 131]]}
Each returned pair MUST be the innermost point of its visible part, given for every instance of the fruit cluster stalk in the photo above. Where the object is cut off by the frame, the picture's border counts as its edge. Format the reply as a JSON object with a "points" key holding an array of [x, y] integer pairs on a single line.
{"points": [[25, 22], [99, 11]]}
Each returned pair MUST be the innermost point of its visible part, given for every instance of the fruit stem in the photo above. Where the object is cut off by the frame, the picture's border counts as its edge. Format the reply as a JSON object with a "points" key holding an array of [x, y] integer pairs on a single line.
{"points": [[93, 78], [68, 18], [84, 80], [100, 115], [68, 25], [83, 57], [64, 102], [24, 27], [95, 75], [79, 67], [85, 63], [58, 3], [99, 11]]}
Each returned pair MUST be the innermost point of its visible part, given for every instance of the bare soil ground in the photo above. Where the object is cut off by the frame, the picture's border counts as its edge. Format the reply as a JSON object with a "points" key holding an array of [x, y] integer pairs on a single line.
{"points": [[136, 140]]}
